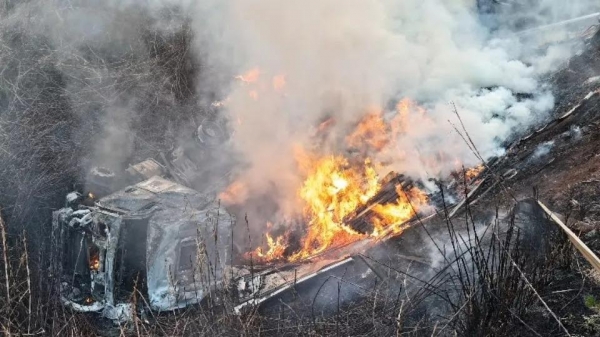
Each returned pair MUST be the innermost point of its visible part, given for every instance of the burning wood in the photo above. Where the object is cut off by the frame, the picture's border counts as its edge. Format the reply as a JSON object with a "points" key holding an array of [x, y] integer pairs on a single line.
{"points": [[344, 204], [342, 196], [390, 207]]}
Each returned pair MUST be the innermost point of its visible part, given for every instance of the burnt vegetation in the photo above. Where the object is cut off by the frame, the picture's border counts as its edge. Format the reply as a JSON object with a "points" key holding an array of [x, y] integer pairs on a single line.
{"points": [[493, 275]]}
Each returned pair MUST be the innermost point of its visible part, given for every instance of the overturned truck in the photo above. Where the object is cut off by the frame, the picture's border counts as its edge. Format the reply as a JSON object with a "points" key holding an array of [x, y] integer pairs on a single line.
{"points": [[157, 240]]}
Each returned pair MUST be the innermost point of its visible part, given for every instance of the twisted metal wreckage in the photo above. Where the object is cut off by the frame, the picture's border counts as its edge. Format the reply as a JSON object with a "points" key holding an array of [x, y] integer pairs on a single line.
{"points": [[172, 245]]}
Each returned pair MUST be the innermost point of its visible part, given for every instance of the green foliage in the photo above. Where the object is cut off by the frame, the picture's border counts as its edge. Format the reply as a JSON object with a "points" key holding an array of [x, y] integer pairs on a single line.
{"points": [[590, 302]]}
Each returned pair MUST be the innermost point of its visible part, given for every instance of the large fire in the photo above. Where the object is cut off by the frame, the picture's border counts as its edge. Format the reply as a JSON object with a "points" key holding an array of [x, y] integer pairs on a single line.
{"points": [[336, 186], [333, 190]]}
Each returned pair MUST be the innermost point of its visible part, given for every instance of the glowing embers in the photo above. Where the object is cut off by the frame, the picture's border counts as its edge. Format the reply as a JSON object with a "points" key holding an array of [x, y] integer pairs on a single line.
{"points": [[473, 172], [94, 257]]}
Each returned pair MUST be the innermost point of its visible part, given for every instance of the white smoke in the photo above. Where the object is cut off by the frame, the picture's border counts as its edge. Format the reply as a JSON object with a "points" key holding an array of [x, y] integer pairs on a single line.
{"points": [[341, 58]]}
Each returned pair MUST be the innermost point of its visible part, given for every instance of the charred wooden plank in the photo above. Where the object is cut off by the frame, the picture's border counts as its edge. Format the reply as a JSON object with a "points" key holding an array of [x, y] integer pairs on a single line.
{"points": [[361, 219], [575, 240]]}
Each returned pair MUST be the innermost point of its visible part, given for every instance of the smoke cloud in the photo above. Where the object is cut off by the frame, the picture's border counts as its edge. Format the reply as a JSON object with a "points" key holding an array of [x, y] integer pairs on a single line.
{"points": [[339, 60]]}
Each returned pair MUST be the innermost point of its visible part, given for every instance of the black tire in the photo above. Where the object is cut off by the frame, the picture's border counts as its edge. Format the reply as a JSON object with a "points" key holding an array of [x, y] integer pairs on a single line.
{"points": [[211, 134], [101, 181]]}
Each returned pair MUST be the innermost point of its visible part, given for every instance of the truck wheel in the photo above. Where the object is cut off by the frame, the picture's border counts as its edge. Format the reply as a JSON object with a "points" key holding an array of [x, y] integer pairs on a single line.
{"points": [[101, 181]]}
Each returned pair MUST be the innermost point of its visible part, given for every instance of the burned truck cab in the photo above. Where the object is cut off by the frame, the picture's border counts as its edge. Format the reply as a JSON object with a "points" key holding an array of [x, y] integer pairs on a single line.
{"points": [[156, 240]]}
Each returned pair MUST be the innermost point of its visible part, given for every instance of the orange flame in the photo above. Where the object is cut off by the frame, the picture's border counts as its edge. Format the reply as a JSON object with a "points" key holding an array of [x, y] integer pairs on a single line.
{"points": [[250, 76], [331, 191], [377, 132], [276, 248], [391, 217], [335, 187], [279, 82], [372, 130], [473, 172], [94, 261], [234, 194], [400, 123]]}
